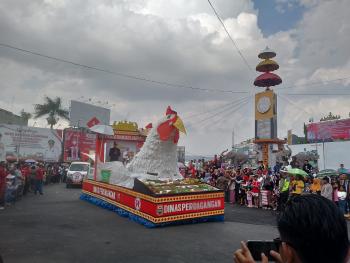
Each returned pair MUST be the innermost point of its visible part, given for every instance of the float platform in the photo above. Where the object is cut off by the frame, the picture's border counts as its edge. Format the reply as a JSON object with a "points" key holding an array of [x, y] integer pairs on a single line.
{"points": [[155, 211]]}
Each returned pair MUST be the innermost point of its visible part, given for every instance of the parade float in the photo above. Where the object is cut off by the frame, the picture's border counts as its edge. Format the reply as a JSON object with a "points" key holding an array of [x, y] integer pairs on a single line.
{"points": [[150, 189]]}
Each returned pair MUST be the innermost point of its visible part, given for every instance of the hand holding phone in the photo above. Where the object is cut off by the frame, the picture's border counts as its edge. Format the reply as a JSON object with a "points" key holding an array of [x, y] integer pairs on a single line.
{"points": [[257, 247]]}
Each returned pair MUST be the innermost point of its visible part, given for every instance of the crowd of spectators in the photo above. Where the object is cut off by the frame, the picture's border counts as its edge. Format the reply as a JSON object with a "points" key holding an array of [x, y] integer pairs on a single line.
{"points": [[270, 188], [19, 179]]}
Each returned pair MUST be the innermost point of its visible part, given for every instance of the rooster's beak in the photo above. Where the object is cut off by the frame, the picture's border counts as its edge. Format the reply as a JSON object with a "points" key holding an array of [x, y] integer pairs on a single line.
{"points": [[180, 125]]}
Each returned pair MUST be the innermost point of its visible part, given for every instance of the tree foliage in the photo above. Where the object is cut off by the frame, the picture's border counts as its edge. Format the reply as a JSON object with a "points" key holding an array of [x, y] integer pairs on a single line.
{"points": [[25, 115], [51, 108]]}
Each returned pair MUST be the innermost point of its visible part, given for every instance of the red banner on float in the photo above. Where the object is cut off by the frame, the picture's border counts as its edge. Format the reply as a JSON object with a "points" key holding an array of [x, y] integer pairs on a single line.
{"points": [[151, 208]]}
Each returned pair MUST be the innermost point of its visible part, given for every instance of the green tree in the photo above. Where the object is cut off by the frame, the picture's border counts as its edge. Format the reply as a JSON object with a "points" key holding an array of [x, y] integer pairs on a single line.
{"points": [[53, 108], [25, 115]]}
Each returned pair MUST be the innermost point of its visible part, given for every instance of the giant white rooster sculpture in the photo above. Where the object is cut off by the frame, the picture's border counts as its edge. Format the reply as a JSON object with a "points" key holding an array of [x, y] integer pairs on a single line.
{"points": [[157, 158]]}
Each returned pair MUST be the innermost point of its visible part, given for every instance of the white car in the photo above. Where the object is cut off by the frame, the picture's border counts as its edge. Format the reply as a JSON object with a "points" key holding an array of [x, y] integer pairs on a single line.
{"points": [[77, 172]]}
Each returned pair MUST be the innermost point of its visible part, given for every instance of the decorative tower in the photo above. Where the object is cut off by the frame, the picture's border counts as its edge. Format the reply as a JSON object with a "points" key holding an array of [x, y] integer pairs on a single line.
{"points": [[266, 109]]}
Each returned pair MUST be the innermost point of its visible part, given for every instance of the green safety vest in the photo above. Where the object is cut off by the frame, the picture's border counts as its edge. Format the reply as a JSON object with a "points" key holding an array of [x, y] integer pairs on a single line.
{"points": [[285, 185]]}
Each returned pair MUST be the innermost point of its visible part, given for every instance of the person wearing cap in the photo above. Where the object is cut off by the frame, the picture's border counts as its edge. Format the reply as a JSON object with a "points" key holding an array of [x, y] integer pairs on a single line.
{"points": [[327, 189]]}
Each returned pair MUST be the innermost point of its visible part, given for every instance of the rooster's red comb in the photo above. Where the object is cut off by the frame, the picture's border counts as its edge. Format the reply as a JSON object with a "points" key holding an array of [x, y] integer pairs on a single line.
{"points": [[170, 111]]}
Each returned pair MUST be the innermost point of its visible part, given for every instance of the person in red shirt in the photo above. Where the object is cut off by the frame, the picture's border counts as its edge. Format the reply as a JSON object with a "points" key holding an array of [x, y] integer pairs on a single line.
{"points": [[39, 178], [255, 191], [3, 174], [26, 174]]}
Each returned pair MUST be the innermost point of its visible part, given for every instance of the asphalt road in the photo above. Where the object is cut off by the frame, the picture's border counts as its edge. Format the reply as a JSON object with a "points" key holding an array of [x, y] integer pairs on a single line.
{"points": [[58, 227]]}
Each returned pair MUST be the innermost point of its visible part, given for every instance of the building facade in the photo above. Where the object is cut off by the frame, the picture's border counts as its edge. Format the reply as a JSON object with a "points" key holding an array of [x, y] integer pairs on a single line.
{"points": [[7, 117]]}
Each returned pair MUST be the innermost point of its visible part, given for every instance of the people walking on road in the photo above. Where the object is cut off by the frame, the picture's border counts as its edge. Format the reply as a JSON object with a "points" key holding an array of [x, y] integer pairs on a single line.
{"points": [[49, 174], [32, 176], [39, 178], [26, 175]]}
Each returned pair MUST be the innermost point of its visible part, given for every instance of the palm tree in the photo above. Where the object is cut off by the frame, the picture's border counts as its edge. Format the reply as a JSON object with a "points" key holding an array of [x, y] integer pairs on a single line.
{"points": [[52, 108], [25, 116]]}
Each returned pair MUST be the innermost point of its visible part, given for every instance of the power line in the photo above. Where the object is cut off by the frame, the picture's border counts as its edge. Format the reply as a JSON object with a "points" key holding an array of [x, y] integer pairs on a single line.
{"points": [[238, 107], [225, 110], [226, 105], [229, 110], [312, 83], [232, 40], [317, 94], [292, 102], [140, 78]]}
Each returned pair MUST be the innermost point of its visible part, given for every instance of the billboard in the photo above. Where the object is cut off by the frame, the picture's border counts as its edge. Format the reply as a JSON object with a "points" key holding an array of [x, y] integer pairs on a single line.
{"points": [[329, 130], [22, 142], [81, 114], [78, 145]]}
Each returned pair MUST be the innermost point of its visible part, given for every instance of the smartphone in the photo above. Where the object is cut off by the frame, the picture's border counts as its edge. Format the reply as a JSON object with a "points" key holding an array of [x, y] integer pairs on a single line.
{"points": [[257, 247]]}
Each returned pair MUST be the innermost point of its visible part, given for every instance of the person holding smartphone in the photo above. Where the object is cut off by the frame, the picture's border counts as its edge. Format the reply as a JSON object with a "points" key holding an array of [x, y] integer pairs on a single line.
{"points": [[312, 229]]}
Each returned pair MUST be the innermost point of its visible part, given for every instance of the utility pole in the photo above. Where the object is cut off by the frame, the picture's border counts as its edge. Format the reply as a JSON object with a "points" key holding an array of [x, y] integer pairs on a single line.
{"points": [[233, 139], [324, 157]]}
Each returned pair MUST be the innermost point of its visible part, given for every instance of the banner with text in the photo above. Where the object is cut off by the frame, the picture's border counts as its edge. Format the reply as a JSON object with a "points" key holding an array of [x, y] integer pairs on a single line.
{"points": [[22, 143], [329, 130]]}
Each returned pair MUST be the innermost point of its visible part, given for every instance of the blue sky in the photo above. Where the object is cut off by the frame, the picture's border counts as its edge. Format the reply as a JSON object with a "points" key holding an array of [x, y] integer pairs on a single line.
{"points": [[277, 16]]}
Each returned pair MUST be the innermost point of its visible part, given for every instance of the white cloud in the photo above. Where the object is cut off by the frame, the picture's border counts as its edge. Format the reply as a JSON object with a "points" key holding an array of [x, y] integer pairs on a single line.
{"points": [[175, 41]]}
